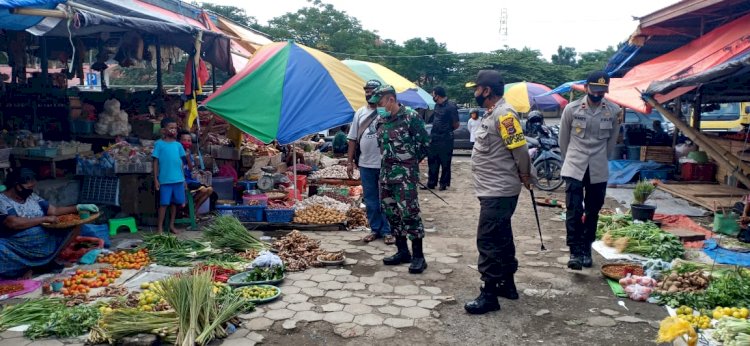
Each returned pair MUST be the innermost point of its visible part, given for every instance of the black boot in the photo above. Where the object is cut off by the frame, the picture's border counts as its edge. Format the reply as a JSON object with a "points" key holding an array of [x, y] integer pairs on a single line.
{"points": [[402, 256], [506, 288], [418, 263], [576, 259], [586, 260], [486, 302]]}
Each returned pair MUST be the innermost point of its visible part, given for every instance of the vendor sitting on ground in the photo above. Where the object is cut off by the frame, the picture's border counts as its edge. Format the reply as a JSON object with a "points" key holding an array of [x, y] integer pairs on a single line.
{"points": [[24, 244], [199, 191]]}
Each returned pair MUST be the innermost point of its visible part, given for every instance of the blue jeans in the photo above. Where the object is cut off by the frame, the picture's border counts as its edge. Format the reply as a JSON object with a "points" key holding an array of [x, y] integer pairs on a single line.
{"points": [[371, 192]]}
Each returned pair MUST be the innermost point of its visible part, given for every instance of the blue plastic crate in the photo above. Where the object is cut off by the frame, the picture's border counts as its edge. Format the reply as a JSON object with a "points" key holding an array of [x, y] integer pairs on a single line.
{"points": [[279, 215], [100, 190], [244, 213], [661, 174]]}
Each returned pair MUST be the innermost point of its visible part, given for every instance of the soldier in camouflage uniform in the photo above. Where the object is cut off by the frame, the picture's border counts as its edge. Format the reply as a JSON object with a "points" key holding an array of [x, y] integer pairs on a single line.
{"points": [[403, 143]]}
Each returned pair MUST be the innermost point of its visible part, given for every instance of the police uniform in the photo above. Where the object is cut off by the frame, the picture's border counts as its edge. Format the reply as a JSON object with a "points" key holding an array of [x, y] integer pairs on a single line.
{"points": [[500, 155], [403, 143], [587, 136]]}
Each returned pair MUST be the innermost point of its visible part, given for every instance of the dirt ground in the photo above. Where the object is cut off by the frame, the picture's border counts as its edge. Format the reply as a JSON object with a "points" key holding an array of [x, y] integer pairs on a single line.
{"points": [[557, 306]]}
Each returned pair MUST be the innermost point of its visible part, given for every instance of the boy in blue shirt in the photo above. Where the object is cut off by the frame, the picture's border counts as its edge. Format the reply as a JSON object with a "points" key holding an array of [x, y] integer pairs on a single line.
{"points": [[169, 180]]}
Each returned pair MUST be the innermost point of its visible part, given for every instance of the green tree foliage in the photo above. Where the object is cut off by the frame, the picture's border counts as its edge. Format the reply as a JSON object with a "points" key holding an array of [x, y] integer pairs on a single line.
{"points": [[565, 56], [232, 13]]}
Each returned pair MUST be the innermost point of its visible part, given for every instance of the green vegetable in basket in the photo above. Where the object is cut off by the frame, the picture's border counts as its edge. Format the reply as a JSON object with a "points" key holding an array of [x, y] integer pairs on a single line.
{"points": [[265, 274]]}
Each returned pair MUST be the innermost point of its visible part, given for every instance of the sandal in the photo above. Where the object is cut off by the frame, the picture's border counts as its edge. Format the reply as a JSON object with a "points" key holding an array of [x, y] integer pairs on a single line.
{"points": [[389, 239], [370, 237]]}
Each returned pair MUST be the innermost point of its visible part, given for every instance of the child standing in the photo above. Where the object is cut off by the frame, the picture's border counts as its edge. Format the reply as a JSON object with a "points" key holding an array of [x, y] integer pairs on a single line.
{"points": [[169, 179]]}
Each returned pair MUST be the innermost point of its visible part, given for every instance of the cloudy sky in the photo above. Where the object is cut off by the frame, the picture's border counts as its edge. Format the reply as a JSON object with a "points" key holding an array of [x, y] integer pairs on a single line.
{"points": [[474, 25]]}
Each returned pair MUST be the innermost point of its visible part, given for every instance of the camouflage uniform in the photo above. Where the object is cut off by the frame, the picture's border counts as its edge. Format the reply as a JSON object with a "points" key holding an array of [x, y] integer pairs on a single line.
{"points": [[403, 143]]}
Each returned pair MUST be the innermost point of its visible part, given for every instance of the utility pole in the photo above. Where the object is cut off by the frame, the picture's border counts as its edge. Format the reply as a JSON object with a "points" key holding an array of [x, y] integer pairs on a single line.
{"points": [[504, 24]]}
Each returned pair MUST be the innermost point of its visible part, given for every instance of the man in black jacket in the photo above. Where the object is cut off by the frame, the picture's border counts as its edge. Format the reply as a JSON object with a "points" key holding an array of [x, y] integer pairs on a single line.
{"points": [[444, 120]]}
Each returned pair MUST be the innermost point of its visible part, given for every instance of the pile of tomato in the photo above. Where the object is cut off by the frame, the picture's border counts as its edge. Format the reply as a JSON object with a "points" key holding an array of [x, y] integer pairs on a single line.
{"points": [[126, 259], [84, 280]]}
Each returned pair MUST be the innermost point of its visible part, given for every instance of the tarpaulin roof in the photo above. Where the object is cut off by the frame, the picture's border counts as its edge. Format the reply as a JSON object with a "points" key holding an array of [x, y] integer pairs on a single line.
{"points": [[714, 48], [16, 22], [725, 82], [249, 39]]}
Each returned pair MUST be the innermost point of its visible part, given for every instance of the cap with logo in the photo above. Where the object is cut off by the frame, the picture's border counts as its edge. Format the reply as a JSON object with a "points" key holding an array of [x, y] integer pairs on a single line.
{"points": [[598, 81], [373, 84], [488, 78], [379, 92]]}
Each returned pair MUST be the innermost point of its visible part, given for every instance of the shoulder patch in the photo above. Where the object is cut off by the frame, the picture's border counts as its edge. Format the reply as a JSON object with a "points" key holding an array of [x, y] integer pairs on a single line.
{"points": [[510, 131]]}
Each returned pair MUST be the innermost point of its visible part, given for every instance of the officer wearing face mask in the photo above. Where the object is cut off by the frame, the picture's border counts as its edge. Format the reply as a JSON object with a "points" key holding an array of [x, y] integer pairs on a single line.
{"points": [[444, 121], [588, 133], [501, 165]]}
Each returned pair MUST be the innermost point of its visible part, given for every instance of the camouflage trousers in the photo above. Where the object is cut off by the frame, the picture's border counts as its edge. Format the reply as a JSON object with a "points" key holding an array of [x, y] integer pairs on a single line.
{"points": [[400, 202]]}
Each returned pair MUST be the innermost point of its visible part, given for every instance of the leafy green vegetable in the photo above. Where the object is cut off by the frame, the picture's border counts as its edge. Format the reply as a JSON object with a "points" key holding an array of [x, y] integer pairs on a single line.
{"points": [[66, 322], [228, 232], [28, 312], [265, 274], [729, 288], [166, 249], [648, 240]]}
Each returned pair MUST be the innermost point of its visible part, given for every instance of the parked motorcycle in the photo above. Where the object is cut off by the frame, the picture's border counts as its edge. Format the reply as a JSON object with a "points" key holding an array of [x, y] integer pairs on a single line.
{"points": [[545, 155]]}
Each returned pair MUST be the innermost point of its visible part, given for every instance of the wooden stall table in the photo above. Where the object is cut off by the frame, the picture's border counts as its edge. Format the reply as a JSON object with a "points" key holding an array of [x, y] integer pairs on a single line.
{"points": [[51, 160]]}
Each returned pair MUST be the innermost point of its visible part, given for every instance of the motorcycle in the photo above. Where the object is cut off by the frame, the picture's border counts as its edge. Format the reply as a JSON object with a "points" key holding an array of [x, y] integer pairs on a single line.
{"points": [[545, 155]]}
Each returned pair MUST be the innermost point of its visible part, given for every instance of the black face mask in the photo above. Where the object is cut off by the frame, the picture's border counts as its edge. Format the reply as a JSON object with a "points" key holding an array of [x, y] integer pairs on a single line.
{"points": [[24, 192], [480, 99], [595, 98]]}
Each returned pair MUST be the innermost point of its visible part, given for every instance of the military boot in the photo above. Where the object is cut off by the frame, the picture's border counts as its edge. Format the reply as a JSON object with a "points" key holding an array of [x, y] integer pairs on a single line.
{"points": [[576, 258], [506, 288], [401, 256], [418, 263], [586, 260], [486, 302]]}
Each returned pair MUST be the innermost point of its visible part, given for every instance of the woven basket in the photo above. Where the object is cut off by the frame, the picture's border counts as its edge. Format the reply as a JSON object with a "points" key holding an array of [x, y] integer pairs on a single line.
{"points": [[637, 270]]}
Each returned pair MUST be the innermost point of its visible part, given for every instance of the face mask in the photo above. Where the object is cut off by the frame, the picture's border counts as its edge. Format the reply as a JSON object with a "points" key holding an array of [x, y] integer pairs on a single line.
{"points": [[25, 193], [595, 98], [383, 112], [187, 145], [171, 133], [480, 99]]}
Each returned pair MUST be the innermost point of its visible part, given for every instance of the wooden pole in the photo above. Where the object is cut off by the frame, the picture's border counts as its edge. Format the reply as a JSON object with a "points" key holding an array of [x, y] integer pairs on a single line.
{"points": [[159, 81], [723, 157], [675, 132], [40, 12], [697, 109], [213, 78], [44, 59]]}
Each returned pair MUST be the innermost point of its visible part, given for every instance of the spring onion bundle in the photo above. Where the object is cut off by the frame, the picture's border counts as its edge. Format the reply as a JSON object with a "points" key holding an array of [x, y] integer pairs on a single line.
{"points": [[645, 239], [28, 312], [228, 232], [121, 323]]}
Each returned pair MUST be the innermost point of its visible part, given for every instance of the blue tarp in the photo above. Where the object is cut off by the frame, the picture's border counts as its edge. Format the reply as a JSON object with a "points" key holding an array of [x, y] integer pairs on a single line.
{"points": [[725, 256], [16, 22], [623, 171]]}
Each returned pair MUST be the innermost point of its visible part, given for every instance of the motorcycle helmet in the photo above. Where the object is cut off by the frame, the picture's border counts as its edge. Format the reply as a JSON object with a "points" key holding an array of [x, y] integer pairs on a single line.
{"points": [[534, 122]]}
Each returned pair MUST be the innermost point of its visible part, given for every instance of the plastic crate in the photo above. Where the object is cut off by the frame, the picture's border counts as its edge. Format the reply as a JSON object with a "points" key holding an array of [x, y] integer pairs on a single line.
{"points": [[698, 171], [134, 168], [84, 147], [62, 151], [83, 127], [17, 151], [100, 190], [244, 213], [5, 154], [42, 152], [279, 215], [661, 174]]}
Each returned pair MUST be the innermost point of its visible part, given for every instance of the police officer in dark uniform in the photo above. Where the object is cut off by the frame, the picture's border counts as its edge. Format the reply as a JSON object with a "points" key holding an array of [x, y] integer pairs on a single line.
{"points": [[588, 133], [444, 120]]}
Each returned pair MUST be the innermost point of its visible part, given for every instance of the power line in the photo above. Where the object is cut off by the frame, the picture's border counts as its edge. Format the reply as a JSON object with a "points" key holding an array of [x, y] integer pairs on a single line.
{"points": [[398, 56]]}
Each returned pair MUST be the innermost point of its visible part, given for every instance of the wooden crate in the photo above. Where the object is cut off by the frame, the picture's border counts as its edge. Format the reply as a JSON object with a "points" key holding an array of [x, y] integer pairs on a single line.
{"points": [[657, 154]]}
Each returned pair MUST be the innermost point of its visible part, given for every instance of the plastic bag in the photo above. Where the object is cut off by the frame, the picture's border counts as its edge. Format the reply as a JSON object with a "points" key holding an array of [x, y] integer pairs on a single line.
{"points": [[673, 327], [267, 259], [638, 293]]}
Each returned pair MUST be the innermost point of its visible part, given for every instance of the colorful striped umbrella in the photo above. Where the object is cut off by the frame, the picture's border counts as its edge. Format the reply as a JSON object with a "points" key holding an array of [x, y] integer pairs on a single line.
{"points": [[524, 96], [408, 93], [288, 91]]}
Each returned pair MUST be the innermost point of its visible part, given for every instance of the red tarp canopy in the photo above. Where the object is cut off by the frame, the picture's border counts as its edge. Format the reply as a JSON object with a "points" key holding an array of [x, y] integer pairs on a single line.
{"points": [[711, 49]]}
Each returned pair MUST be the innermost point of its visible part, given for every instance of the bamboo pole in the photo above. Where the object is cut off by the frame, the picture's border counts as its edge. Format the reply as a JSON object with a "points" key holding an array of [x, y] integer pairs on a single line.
{"points": [[40, 12], [724, 158]]}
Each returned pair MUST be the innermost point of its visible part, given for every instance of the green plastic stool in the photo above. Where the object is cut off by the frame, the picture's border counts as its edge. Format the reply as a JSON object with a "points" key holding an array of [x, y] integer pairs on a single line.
{"points": [[115, 224]]}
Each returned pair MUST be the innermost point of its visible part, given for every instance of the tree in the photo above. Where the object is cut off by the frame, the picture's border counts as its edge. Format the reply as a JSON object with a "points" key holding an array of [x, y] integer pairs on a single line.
{"points": [[565, 56], [232, 13]]}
